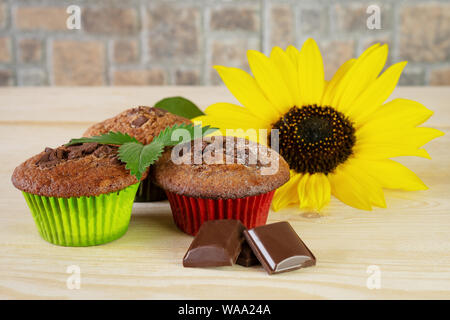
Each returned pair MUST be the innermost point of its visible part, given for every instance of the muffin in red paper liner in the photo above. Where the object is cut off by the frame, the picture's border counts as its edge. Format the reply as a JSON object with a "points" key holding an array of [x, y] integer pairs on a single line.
{"points": [[220, 177]]}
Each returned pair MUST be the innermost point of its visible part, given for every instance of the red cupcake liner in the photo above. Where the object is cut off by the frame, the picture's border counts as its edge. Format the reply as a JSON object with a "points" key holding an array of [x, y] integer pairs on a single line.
{"points": [[189, 213]]}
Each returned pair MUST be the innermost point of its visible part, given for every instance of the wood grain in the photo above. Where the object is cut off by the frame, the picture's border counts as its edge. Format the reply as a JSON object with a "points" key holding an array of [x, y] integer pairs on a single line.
{"points": [[409, 241]]}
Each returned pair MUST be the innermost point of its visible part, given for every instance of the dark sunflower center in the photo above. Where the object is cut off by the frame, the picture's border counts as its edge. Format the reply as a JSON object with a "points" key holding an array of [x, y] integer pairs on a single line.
{"points": [[315, 139]]}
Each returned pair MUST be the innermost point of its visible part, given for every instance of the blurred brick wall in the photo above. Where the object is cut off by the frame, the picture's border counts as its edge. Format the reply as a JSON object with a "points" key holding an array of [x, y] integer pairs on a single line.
{"points": [[157, 42]]}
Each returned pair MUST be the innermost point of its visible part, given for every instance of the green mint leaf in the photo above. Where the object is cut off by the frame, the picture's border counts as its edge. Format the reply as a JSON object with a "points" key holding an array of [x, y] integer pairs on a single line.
{"points": [[180, 106], [139, 157], [130, 153], [150, 153], [117, 138], [165, 136], [135, 155], [208, 130]]}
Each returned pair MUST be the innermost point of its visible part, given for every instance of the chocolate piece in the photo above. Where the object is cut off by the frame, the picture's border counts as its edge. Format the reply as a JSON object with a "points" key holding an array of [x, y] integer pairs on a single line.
{"points": [[159, 112], [247, 258], [217, 243], [52, 157], [279, 248], [103, 151], [61, 154], [139, 121], [75, 153], [88, 148]]}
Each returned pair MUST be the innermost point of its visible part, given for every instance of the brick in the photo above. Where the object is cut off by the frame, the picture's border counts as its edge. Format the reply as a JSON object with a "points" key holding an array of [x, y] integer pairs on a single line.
{"points": [[30, 50], [187, 77], [335, 53], [107, 20], [41, 18], [3, 14], [314, 21], [6, 78], [173, 33], [372, 40], [231, 52], [352, 17], [5, 49], [139, 77], [440, 77], [78, 63], [425, 33], [126, 51], [412, 77], [282, 32], [32, 77], [234, 18]]}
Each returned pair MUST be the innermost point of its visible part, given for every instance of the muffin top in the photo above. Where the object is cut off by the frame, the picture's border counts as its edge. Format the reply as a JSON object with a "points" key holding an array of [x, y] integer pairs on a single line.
{"points": [[219, 167], [143, 123], [87, 169]]}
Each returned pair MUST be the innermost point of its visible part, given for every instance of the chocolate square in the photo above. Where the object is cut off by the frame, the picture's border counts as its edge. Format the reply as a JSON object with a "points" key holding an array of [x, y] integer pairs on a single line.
{"points": [[278, 247], [217, 243]]}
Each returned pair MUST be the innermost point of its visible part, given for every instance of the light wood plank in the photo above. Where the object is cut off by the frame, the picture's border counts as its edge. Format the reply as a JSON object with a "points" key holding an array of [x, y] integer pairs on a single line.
{"points": [[409, 241]]}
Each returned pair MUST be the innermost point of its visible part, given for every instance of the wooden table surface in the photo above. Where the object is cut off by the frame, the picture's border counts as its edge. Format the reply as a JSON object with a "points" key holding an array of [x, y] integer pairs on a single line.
{"points": [[409, 242]]}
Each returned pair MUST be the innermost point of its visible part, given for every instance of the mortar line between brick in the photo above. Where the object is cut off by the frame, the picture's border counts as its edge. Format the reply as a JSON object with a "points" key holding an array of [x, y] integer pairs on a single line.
{"points": [[49, 61], [265, 26], [395, 29], [297, 21], [13, 44], [206, 60]]}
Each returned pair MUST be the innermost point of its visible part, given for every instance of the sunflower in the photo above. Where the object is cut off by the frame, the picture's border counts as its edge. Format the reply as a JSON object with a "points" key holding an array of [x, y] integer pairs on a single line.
{"points": [[338, 136]]}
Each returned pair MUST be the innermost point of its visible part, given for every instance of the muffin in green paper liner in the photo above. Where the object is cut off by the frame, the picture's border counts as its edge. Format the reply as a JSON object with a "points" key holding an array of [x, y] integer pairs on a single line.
{"points": [[79, 195]]}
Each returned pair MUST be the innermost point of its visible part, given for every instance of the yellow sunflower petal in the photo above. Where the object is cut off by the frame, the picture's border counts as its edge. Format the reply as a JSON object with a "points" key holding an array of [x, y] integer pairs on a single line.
{"points": [[270, 80], [311, 73], [384, 151], [288, 71], [330, 89], [244, 87], [287, 193], [230, 127], [314, 191], [396, 114], [236, 114], [293, 53], [376, 94], [374, 189], [305, 201], [393, 175], [226, 122], [349, 190], [405, 137], [363, 72]]}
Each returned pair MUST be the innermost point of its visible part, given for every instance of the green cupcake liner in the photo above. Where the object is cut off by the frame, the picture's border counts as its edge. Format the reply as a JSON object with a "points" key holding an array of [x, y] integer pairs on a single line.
{"points": [[82, 221]]}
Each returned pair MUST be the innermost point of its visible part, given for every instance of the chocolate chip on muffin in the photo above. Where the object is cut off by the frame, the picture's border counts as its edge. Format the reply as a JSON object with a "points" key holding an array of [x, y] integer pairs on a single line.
{"points": [[138, 122]]}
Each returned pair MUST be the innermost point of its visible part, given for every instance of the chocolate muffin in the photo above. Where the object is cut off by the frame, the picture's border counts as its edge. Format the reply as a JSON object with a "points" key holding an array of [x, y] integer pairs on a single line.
{"points": [[220, 178], [79, 195], [143, 123]]}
